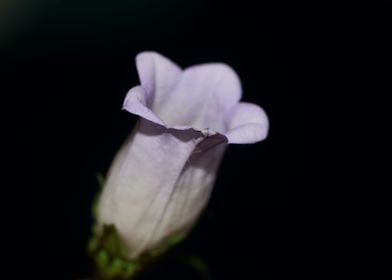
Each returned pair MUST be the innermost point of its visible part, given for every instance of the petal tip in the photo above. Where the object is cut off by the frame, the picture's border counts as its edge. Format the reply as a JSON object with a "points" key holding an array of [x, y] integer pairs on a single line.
{"points": [[249, 125]]}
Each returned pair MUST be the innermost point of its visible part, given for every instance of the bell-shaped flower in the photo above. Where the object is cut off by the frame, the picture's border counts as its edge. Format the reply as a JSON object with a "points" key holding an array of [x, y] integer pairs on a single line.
{"points": [[162, 177]]}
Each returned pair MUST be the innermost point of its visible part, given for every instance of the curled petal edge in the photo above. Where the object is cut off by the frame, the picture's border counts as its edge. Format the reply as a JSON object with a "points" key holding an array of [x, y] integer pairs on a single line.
{"points": [[248, 125], [135, 103]]}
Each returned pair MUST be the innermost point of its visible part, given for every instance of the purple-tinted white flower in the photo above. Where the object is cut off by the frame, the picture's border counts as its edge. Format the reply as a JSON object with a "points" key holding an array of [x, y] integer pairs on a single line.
{"points": [[162, 177]]}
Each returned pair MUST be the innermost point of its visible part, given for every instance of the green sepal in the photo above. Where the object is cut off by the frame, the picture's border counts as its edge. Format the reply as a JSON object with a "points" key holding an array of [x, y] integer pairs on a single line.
{"points": [[94, 208], [171, 242], [199, 265], [106, 250]]}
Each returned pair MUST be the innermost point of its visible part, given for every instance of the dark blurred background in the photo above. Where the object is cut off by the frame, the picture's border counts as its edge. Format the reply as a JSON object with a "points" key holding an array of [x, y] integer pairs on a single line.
{"points": [[65, 67]]}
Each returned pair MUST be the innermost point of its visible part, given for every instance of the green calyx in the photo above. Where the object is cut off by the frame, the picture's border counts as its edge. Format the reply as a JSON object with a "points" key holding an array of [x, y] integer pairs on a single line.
{"points": [[106, 249]]}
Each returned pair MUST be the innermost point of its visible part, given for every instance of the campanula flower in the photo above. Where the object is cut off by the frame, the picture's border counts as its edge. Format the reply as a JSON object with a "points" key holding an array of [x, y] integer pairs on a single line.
{"points": [[162, 177]]}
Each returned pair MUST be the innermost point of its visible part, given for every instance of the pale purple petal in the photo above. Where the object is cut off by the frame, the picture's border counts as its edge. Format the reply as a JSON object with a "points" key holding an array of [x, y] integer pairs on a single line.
{"points": [[157, 74], [202, 98], [193, 190], [249, 124], [135, 103]]}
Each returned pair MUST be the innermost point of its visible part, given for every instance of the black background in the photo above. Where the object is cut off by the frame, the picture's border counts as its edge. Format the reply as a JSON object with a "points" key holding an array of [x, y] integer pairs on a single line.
{"points": [[66, 66]]}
